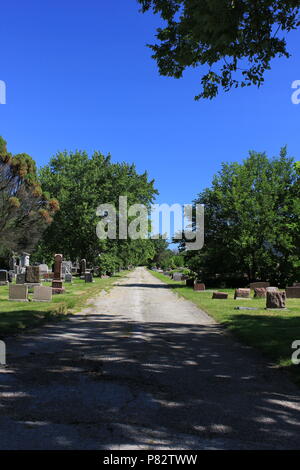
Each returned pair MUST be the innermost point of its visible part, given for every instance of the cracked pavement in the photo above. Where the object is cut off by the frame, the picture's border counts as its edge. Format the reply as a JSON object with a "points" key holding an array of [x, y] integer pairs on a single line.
{"points": [[142, 369]]}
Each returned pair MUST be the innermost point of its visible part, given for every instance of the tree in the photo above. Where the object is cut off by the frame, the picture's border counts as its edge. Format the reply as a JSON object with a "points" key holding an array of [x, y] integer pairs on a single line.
{"points": [[25, 210], [236, 40], [252, 219], [81, 184]]}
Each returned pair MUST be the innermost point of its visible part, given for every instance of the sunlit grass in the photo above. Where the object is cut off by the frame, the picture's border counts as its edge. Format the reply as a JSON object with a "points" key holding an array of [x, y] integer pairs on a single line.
{"points": [[18, 316]]}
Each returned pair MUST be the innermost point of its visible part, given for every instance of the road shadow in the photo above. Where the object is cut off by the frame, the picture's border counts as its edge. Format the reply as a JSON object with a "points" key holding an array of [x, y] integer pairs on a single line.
{"points": [[97, 382]]}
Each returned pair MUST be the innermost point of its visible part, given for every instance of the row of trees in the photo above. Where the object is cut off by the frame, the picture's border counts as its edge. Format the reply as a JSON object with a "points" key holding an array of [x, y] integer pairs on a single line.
{"points": [[252, 222]]}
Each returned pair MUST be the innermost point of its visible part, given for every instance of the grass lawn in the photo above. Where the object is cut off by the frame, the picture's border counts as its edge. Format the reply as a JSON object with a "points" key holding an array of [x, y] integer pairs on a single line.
{"points": [[270, 331], [17, 316]]}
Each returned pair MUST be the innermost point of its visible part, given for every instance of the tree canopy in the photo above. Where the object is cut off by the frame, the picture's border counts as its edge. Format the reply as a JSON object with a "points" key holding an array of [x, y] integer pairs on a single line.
{"points": [[236, 40], [252, 220], [82, 183], [25, 209]]}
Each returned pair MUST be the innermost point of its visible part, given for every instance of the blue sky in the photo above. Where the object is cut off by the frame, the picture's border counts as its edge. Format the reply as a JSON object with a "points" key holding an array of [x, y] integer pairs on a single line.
{"points": [[79, 76]]}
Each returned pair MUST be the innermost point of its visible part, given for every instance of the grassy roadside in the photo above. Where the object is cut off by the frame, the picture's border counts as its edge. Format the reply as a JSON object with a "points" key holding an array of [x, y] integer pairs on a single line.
{"points": [[270, 332], [18, 316]]}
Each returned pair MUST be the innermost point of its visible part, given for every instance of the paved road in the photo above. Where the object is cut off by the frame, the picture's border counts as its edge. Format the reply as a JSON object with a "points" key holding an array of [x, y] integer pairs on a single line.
{"points": [[142, 369]]}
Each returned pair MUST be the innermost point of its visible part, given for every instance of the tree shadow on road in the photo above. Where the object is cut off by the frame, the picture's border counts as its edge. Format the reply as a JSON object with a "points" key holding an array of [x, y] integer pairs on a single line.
{"points": [[98, 382]]}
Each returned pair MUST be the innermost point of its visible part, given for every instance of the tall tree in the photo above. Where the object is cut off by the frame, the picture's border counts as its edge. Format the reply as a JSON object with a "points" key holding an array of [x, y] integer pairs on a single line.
{"points": [[252, 216], [81, 184], [235, 39], [25, 210]]}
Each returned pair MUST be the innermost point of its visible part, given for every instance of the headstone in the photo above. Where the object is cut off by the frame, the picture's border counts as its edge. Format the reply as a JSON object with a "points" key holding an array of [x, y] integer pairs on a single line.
{"points": [[199, 286], [293, 292], [18, 293], [43, 269], [66, 267], [3, 277], [42, 294], [88, 277], [276, 299], [220, 295], [83, 267], [259, 284], [20, 279], [57, 283], [242, 293], [272, 289], [190, 282], [260, 292], [24, 260], [177, 277], [32, 275], [68, 277]]}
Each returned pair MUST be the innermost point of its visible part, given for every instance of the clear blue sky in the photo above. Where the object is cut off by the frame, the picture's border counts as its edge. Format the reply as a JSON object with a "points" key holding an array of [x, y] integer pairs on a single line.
{"points": [[79, 75]]}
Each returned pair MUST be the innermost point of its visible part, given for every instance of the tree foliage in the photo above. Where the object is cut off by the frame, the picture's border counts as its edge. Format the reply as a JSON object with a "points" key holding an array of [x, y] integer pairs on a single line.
{"points": [[81, 184], [252, 220], [235, 39], [25, 210]]}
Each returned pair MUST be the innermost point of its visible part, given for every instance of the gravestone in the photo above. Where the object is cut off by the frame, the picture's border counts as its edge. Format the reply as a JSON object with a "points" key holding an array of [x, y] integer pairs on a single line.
{"points": [[3, 277], [220, 295], [18, 293], [83, 267], [259, 284], [190, 282], [272, 289], [88, 277], [199, 286], [32, 275], [293, 292], [68, 277], [57, 283], [177, 277], [242, 294], [66, 267], [260, 292], [42, 294], [275, 299], [20, 278], [43, 269], [24, 260]]}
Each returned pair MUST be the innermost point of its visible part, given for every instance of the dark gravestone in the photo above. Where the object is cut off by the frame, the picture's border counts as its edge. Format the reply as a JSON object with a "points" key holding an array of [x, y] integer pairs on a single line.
{"points": [[260, 292], [20, 278], [199, 286], [82, 267], [276, 299], [220, 295], [190, 282], [3, 277], [32, 275], [88, 277], [293, 292], [242, 293]]}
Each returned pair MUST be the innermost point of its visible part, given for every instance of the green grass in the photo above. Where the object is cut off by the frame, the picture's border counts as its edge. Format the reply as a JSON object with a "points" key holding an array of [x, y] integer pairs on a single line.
{"points": [[270, 331], [18, 316]]}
